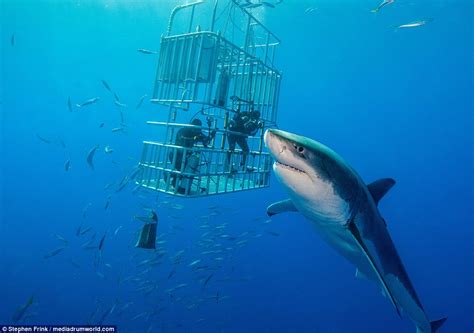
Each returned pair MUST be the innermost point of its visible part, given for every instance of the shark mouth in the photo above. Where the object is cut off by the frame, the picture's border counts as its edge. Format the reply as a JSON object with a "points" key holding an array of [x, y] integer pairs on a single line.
{"points": [[289, 167]]}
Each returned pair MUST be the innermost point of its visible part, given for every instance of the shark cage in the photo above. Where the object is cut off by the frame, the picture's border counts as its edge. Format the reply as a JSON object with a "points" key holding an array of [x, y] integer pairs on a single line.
{"points": [[211, 73]]}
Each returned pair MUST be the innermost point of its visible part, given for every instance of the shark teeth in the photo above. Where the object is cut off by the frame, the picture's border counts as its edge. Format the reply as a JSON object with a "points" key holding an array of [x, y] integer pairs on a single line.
{"points": [[289, 167]]}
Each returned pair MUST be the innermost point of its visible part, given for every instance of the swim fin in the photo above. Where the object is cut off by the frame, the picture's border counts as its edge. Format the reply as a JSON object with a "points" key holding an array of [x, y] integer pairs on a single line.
{"points": [[147, 237]]}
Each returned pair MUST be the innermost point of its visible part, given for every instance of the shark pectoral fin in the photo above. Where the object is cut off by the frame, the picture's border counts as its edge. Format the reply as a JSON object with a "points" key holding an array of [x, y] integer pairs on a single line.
{"points": [[281, 207], [358, 239], [380, 187]]}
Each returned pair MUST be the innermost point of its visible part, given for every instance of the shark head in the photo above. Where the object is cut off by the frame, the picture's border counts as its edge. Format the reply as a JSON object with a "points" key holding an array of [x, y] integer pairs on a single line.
{"points": [[317, 179]]}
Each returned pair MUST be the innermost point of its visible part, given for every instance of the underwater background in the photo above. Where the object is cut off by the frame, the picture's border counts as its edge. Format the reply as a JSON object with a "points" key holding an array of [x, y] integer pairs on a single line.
{"points": [[393, 102]]}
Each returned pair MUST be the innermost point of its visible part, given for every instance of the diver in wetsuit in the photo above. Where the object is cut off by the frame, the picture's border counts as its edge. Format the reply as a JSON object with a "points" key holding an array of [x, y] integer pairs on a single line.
{"points": [[187, 137], [246, 123]]}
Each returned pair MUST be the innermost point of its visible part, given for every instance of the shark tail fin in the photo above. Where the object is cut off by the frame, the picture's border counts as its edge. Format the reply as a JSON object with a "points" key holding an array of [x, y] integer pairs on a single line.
{"points": [[436, 324]]}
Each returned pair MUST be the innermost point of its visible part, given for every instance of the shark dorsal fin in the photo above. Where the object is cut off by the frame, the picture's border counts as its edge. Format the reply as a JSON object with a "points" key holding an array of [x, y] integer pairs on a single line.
{"points": [[281, 207], [380, 187]]}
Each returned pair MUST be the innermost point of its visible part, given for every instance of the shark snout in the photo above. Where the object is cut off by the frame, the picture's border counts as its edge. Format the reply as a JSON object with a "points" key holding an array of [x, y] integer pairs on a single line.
{"points": [[274, 143]]}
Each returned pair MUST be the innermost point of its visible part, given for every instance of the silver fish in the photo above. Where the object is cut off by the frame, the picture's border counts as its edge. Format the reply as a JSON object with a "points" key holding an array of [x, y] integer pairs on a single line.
{"points": [[120, 105], [88, 102], [140, 102], [414, 24], [53, 253], [145, 51], [383, 4]]}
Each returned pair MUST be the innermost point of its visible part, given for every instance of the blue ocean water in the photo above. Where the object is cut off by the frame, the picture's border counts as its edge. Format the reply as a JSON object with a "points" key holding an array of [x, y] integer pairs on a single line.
{"points": [[393, 102]]}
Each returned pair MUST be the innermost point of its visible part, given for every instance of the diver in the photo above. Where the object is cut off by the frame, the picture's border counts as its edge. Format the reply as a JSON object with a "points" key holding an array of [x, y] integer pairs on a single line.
{"points": [[187, 137], [246, 123]]}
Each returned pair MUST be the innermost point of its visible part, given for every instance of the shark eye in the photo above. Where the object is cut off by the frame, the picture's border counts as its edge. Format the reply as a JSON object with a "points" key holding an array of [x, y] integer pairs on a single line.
{"points": [[298, 148]]}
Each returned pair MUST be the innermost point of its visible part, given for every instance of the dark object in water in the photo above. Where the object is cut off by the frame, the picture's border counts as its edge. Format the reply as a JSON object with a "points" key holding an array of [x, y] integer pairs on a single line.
{"points": [[140, 102], [147, 237], [21, 311], [54, 252], [12, 40], [90, 157], [101, 243], [106, 85], [69, 104], [145, 51], [43, 139]]}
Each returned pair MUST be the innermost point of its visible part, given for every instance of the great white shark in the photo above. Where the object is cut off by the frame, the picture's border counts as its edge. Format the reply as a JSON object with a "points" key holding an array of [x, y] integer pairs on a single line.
{"points": [[329, 193]]}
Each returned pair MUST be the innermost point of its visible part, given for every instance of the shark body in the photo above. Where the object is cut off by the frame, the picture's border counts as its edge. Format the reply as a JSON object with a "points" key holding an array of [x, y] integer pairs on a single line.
{"points": [[343, 209]]}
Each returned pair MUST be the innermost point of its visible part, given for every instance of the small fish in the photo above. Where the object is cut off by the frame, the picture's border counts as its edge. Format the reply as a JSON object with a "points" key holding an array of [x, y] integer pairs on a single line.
{"points": [[195, 262], [75, 264], [177, 206], [145, 51], [143, 314], [117, 129], [12, 40], [107, 203], [85, 209], [90, 157], [208, 279], [106, 85], [101, 243], [109, 311], [383, 4], [273, 233], [85, 231], [152, 218], [268, 4], [69, 104], [414, 24], [67, 165], [88, 102], [43, 139], [117, 230], [53, 253], [140, 102], [179, 286], [108, 150], [171, 274], [120, 105], [101, 125], [61, 238], [21, 311]]}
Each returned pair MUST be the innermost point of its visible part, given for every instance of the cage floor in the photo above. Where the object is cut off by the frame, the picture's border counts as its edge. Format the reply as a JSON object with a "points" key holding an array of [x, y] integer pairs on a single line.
{"points": [[209, 185]]}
